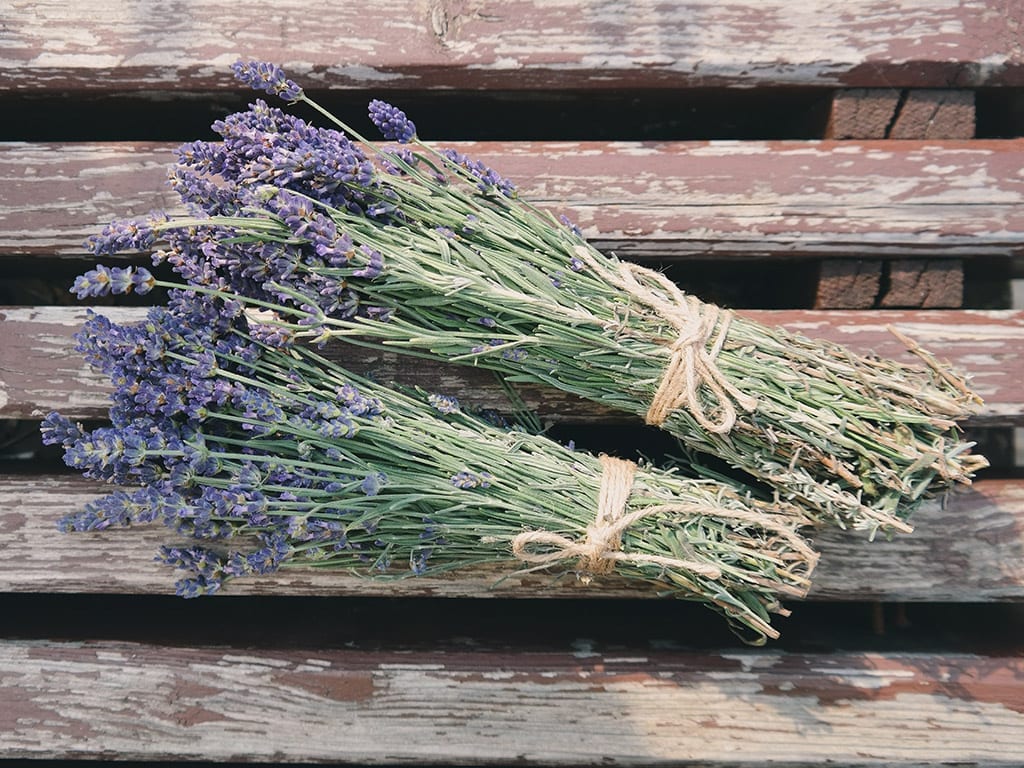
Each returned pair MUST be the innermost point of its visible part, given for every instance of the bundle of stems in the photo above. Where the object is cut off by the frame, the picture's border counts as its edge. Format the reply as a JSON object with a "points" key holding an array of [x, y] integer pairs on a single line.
{"points": [[432, 253], [270, 456]]}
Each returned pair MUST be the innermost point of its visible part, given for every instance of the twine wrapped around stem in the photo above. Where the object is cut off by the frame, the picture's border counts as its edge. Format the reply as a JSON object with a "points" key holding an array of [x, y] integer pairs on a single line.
{"points": [[600, 551], [701, 330]]}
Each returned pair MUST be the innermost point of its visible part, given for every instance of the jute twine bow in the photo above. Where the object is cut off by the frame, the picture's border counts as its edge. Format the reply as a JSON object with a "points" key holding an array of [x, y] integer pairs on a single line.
{"points": [[600, 551], [701, 330]]}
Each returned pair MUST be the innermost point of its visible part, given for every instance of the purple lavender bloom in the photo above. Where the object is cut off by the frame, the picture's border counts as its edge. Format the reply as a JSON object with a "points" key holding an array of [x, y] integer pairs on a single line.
{"points": [[418, 561], [120, 280], [372, 483], [142, 281], [516, 354], [488, 179], [94, 283], [572, 226], [273, 336], [397, 161], [103, 281], [264, 76], [358, 404], [121, 236], [56, 428], [269, 558], [445, 404], [374, 263], [119, 508], [196, 587], [202, 195], [392, 122]]}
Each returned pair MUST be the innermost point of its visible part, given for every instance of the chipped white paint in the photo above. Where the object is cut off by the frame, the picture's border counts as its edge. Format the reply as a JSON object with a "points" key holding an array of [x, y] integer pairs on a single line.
{"points": [[742, 44], [182, 703], [869, 679], [979, 536], [665, 200], [751, 661]]}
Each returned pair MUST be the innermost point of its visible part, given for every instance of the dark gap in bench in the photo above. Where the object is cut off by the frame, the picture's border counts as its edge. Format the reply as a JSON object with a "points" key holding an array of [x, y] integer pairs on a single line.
{"points": [[22, 451], [999, 113], [484, 624], [987, 282], [91, 762], [31, 280], [637, 115], [756, 283]]}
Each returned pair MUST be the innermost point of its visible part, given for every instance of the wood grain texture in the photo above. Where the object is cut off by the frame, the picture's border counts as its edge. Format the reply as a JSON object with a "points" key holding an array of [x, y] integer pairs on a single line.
{"points": [[146, 45], [658, 200], [482, 707], [40, 370], [970, 550]]}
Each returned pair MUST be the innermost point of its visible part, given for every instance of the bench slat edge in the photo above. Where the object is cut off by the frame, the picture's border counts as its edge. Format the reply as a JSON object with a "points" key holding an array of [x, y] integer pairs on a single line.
{"points": [[872, 199], [518, 44], [151, 702], [40, 370], [970, 550]]}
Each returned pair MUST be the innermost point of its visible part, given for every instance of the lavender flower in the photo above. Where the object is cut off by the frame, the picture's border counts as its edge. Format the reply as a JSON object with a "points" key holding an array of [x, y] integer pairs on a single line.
{"points": [[443, 404], [103, 281], [488, 180], [392, 122], [57, 429], [118, 236], [263, 76]]}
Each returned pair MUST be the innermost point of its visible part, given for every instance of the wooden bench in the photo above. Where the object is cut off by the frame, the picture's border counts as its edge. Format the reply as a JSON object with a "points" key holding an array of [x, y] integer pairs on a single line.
{"points": [[835, 168]]}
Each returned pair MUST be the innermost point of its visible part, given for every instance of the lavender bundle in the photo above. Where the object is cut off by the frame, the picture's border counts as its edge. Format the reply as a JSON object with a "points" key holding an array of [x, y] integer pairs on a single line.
{"points": [[269, 456], [433, 253]]}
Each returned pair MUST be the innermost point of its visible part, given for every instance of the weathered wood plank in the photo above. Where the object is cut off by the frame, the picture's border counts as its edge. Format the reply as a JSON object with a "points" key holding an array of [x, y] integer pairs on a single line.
{"points": [[666, 200], [971, 550], [40, 370], [484, 707], [102, 45]]}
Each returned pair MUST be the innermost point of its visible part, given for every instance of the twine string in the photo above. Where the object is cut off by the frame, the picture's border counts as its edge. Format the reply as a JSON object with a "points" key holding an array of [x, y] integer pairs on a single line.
{"points": [[700, 334], [600, 551]]}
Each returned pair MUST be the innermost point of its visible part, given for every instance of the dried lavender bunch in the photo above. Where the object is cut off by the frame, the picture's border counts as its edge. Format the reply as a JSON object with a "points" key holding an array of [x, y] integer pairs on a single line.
{"points": [[228, 433], [433, 253]]}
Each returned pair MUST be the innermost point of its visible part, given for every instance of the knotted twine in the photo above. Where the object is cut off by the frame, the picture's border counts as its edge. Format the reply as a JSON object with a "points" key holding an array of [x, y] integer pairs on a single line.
{"points": [[700, 334], [601, 550]]}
